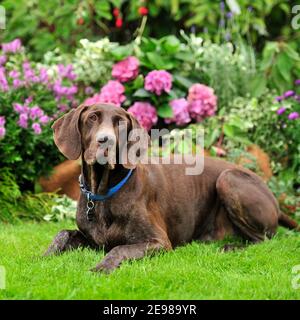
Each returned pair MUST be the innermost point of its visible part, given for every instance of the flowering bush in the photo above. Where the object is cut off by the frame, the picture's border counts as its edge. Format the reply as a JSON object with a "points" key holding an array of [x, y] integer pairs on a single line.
{"points": [[31, 97], [149, 94]]}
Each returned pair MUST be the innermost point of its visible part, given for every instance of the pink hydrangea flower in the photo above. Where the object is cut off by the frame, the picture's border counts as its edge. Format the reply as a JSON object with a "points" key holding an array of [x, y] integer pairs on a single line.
{"points": [[95, 99], [158, 81], [145, 113], [181, 114], [202, 101], [126, 69], [13, 46], [36, 128], [112, 92]]}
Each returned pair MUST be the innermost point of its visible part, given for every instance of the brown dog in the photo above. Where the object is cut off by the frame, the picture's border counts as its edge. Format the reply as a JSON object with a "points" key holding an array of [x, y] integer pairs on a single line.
{"points": [[159, 206]]}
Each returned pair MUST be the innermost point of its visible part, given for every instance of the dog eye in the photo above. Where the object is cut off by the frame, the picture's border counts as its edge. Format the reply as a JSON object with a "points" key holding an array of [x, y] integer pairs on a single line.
{"points": [[93, 117]]}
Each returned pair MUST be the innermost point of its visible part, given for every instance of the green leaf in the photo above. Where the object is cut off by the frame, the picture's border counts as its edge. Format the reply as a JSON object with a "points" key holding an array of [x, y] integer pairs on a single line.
{"points": [[258, 85], [165, 111], [184, 82], [138, 82], [171, 44], [142, 93], [122, 52]]}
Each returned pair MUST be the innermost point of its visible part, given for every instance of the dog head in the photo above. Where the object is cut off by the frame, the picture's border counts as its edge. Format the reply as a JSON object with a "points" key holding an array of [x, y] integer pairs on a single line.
{"points": [[102, 133]]}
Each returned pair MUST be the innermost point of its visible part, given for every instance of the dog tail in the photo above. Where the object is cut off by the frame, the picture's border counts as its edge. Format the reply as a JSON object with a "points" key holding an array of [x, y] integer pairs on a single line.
{"points": [[285, 221]]}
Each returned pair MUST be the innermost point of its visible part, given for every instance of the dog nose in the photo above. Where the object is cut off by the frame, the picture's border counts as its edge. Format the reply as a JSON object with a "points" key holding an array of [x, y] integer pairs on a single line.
{"points": [[103, 138]]}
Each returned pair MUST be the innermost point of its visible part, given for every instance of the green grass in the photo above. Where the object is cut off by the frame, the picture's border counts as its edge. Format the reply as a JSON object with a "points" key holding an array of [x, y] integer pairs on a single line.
{"points": [[196, 271]]}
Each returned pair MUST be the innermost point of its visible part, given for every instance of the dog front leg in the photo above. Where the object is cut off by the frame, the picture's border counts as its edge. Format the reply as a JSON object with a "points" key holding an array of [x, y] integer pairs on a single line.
{"points": [[127, 252], [67, 240]]}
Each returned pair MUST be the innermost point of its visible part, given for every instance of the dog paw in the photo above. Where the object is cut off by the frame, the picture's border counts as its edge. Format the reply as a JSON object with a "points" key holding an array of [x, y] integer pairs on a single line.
{"points": [[106, 266]]}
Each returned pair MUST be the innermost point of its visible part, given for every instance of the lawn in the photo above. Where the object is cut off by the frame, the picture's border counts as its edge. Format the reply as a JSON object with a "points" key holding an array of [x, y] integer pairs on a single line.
{"points": [[196, 271]]}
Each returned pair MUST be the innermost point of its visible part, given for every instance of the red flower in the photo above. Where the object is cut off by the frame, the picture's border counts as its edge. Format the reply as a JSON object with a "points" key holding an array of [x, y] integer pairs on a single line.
{"points": [[116, 12], [143, 11], [119, 22], [80, 21]]}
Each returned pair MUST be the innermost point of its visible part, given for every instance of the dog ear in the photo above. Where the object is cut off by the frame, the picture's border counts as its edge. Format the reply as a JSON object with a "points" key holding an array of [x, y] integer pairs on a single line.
{"points": [[143, 142], [66, 133]]}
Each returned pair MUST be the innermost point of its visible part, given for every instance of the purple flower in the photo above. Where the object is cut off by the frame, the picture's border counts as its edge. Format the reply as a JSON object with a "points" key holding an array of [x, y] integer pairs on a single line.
{"points": [[279, 98], [297, 82], [14, 74], [36, 112], [13, 46], [2, 121], [43, 75], [126, 69], [289, 93], [66, 71], [23, 120], [222, 6], [18, 107], [202, 101], [2, 132], [227, 36], [2, 60], [180, 112], [44, 119], [62, 107], [145, 113], [17, 83], [28, 100], [293, 116], [3, 81], [89, 90], [158, 81], [229, 15], [281, 110], [36, 128]]}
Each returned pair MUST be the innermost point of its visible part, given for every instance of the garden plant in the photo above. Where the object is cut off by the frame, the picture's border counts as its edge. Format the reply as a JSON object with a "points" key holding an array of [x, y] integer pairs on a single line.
{"points": [[229, 68]]}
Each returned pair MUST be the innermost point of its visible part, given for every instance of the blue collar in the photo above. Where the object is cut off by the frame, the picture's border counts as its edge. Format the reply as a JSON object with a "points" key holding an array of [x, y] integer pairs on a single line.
{"points": [[98, 197]]}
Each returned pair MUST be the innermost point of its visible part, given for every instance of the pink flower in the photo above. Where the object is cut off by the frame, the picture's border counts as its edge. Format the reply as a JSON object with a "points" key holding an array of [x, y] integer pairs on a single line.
{"points": [[3, 81], [44, 119], [158, 81], [2, 60], [126, 69], [202, 101], [95, 99], [180, 112], [112, 92], [14, 74], [36, 128], [13, 46], [145, 113], [36, 112], [23, 120]]}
